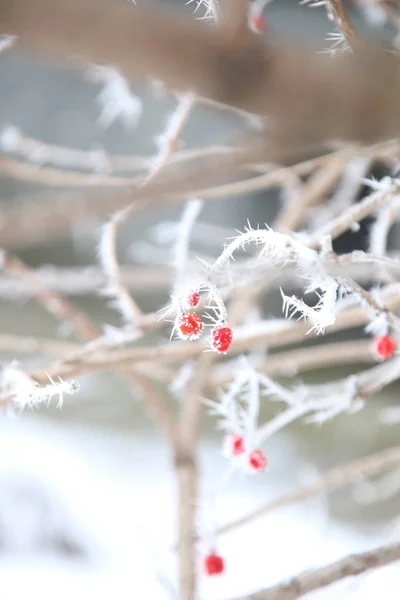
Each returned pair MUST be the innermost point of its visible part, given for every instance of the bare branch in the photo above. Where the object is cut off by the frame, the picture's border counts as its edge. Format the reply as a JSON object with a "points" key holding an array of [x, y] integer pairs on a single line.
{"points": [[308, 581], [297, 88], [332, 480], [37, 217], [65, 311], [293, 362], [17, 344], [243, 339]]}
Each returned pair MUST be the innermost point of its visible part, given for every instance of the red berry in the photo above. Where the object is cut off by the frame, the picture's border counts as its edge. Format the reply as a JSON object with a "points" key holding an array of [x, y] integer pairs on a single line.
{"points": [[384, 347], [222, 339], [257, 460], [189, 326], [234, 445], [258, 23], [213, 564], [192, 300]]}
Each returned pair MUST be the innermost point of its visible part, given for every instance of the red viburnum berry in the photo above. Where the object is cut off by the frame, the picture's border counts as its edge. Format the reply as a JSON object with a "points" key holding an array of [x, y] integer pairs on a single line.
{"points": [[192, 300], [257, 461], [221, 339], [258, 23], [189, 326], [213, 564], [384, 347], [234, 445]]}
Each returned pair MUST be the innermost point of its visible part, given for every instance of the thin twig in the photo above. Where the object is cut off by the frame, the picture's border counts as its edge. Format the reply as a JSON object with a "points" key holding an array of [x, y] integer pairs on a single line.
{"points": [[312, 193], [352, 215], [95, 161], [35, 217]]}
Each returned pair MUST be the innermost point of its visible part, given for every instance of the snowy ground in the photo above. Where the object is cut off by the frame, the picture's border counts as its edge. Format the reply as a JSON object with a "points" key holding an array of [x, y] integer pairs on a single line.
{"points": [[110, 500]]}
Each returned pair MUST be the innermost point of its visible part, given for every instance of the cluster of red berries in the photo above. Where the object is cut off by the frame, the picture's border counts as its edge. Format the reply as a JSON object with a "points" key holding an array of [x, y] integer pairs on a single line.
{"points": [[235, 445], [189, 326], [384, 347]]}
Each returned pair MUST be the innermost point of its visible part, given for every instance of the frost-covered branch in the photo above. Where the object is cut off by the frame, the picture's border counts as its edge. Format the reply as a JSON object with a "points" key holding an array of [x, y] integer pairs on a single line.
{"points": [[217, 302], [244, 338], [334, 479], [282, 248], [116, 99], [107, 248], [24, 392], [55, 304], [343, 21], [115, 289], [168, 141], [386, 189]]}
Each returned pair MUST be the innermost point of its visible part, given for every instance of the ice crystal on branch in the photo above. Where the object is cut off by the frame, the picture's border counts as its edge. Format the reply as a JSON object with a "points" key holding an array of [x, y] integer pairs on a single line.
{"points": [[378, 325], [314, 3], [211, 8], [24, 392], [339, 43], [279, 249], [237, 409], [320, 316], [116, 99], [6, 41], [10, 139]]}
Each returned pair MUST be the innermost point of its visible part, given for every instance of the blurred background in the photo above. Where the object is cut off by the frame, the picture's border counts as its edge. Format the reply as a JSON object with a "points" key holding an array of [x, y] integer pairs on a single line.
{"points": [[87, 496]]}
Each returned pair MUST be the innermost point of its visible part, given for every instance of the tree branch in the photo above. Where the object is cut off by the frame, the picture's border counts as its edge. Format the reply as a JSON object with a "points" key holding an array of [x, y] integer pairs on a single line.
{"points": [[299, 89], [65, 311], [88, 361], [309, 581], [54, 303], [332, 480]]}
